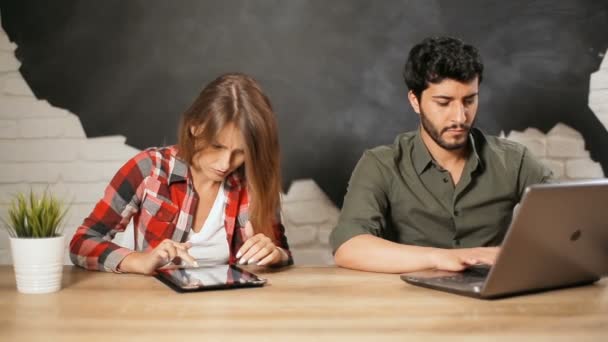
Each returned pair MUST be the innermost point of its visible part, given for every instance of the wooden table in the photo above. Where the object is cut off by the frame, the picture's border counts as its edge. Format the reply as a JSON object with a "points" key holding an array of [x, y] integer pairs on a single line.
{"points": [[299, 303]]}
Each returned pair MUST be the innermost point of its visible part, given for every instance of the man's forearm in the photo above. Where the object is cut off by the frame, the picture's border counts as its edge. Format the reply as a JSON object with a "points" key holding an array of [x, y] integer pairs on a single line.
{"points": [[371, 253]]}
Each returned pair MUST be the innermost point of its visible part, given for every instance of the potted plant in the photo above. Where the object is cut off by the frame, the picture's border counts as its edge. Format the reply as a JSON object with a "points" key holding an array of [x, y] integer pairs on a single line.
{"points": [[37, 246]]}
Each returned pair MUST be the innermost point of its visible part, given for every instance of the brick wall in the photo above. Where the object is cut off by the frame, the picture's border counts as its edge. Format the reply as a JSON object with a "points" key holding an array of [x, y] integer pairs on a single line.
{"points": [[598, 92], [42, 146], [562, 149], [45, 147], [309, 216]]}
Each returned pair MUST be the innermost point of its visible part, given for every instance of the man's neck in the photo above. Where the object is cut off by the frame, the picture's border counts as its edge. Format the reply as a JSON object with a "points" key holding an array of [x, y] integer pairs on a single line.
{"points": [[448, 159]]}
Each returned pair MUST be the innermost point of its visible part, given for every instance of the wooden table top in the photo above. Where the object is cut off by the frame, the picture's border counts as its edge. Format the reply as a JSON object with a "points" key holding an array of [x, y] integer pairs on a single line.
{"points": [[299, 303]]}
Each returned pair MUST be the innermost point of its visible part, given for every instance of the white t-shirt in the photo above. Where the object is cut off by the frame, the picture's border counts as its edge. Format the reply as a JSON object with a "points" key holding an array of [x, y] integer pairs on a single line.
{"points": [[210, 244]]}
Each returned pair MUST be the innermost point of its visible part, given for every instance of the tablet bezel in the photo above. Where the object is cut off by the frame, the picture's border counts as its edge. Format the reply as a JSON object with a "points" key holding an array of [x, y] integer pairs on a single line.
{"points": [[165, 278]]}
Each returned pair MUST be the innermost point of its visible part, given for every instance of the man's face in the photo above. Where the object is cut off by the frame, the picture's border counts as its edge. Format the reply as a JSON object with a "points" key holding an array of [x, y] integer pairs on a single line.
{"points": [[447, 111]]}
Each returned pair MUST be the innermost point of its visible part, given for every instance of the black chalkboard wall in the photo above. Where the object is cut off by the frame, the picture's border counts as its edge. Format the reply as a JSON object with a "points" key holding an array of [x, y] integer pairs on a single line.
{"points": [[331, 68]]}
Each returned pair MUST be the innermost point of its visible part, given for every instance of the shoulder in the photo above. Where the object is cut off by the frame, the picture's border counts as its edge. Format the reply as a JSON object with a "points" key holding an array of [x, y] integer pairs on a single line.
{"points": [[155, 161], [381, 163], [160, 154], [496, 149], [388, 156], [503, 145], [512, 157]]}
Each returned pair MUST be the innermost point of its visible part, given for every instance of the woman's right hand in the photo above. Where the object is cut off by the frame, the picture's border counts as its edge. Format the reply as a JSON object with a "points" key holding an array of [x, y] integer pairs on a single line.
{"points": [[150, 261]]}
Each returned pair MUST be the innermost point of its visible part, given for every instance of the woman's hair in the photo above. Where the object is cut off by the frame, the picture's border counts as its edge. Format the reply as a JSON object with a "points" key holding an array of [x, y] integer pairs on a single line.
{"points": [[238, 99]]}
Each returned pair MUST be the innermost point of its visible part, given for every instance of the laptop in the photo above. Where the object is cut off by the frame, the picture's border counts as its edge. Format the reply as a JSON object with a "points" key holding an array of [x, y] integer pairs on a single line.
{"points": [[557, 238]]}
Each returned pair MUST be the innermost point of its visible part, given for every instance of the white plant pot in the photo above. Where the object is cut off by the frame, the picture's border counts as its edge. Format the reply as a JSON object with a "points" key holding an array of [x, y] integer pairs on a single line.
{"points": [[38, 263]]}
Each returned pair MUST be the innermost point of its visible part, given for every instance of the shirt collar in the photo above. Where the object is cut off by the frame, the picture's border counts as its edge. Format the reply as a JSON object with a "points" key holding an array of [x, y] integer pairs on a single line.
{"points": [[178, 170], [234, 180], [474, 158], [422, 159]]}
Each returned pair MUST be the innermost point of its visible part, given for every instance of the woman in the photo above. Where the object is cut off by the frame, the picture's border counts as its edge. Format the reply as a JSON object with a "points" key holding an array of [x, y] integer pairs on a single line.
{"points": [[214, 197]]}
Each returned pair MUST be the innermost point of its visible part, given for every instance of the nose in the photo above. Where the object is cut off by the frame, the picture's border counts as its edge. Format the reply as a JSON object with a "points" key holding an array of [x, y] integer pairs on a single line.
{"points": [[224, 160], [459, 114]]}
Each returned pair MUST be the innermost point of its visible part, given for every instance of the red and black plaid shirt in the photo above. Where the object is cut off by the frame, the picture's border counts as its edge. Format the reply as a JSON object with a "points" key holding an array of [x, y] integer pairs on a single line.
{"points": [[155, 189]]}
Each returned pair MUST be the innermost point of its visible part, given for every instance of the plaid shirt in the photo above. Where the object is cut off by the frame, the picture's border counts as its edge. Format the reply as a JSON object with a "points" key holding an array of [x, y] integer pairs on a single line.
{"points": [[155, 189]]}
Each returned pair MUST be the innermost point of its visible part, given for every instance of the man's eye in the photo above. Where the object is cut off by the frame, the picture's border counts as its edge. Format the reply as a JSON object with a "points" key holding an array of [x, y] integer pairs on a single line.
{"points": [[216, 146], [443, 104]]}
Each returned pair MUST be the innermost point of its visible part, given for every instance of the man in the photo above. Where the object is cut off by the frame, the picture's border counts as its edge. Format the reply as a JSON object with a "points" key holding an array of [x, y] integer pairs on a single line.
{"points": [[441, 196]]}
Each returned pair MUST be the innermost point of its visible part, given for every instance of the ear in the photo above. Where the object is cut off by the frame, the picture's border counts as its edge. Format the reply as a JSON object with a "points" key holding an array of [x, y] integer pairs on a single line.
{"points": [[413, 101], [194, 131]]}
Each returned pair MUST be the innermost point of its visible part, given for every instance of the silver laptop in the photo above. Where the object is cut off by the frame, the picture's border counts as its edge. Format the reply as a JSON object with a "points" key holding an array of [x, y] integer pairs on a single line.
{"points": [[557, 238]]}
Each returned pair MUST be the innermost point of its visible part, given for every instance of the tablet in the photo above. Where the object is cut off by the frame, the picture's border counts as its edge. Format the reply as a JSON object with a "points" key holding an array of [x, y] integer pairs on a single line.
{"points": [[204, 278]]}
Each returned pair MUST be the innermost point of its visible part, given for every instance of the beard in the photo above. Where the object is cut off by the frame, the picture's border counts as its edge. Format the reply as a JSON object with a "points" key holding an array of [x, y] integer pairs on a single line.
{"points": [[437, 134]]}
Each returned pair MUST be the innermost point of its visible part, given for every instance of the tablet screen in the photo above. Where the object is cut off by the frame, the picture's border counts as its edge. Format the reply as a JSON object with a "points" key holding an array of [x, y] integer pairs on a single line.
{"points": [[208, 278]]}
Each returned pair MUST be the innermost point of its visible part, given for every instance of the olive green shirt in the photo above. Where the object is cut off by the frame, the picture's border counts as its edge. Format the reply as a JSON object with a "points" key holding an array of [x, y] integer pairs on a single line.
{"points": [[398, 192]]}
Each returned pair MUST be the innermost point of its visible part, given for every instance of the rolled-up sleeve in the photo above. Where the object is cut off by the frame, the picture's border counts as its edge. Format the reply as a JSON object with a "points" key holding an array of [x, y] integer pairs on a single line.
{"points": [[91, 246], [365, 204]]}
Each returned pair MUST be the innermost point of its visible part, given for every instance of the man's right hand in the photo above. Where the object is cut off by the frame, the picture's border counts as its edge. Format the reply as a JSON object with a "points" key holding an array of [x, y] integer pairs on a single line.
{"points": [[459, 259], [149, 261]]}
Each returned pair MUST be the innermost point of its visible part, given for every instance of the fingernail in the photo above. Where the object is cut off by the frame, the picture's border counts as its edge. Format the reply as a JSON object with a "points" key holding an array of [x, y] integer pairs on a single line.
{"points": [[260, 263], [238, 255], [242, 262], [195, 264], [251, 261]]}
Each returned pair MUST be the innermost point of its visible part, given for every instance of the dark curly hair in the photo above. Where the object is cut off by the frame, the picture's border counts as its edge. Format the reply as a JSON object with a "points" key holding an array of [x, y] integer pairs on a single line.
{"points": [[437, 58]]}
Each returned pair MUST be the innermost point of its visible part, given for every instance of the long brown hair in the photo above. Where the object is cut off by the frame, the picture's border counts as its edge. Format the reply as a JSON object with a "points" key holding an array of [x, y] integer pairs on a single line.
{"points": [[238, 99]]}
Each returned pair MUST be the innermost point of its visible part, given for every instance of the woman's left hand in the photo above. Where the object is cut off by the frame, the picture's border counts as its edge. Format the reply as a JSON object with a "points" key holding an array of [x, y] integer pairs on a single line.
{"points": [[258, 249]]}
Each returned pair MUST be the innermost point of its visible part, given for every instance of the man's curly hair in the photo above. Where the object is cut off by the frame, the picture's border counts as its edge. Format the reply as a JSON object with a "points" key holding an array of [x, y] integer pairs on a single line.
{"points": [[438, 58]]}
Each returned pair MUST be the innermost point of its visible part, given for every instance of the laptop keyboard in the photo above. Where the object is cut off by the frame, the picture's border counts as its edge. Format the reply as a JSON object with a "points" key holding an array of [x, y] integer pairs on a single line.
{"points": [[479, 270], [471, 279]]}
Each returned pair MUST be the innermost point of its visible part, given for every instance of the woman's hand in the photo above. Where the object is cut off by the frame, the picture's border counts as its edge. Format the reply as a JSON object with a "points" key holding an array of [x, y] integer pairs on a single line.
{"points": [[259, 249], [150, 261]]}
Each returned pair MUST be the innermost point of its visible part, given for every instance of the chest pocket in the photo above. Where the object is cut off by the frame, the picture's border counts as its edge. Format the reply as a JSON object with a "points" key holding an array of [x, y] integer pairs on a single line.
{"points": [[157, 219]]}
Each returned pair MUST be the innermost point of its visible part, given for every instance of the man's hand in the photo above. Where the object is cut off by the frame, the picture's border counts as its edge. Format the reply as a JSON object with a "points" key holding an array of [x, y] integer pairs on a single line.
{"points": [[150, 261], [459, 259]]}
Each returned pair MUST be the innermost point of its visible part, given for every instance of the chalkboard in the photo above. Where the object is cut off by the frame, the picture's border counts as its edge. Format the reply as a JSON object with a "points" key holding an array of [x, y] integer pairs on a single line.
{"points": [[331, 68]]}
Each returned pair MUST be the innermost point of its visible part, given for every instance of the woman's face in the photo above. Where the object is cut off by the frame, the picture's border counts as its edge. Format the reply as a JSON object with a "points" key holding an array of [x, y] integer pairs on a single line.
{"points": [[223, 155]]}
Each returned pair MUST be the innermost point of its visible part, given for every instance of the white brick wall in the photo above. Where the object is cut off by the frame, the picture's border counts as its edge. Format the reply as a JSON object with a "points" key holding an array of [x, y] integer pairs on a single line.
{"points": [[562, 150], [45, 147], [12, 83], [598, 92], [309, 216]]}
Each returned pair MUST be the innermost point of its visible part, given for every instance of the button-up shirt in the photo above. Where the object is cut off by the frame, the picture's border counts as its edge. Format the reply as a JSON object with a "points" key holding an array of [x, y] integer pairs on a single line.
{"points": [[155, 189], [398, 192]]}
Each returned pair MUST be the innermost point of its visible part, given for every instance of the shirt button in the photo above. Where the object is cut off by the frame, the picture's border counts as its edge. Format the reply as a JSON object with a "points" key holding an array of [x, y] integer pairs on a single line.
{"points": [[445, 180], [456, 212], [456, 242]]}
